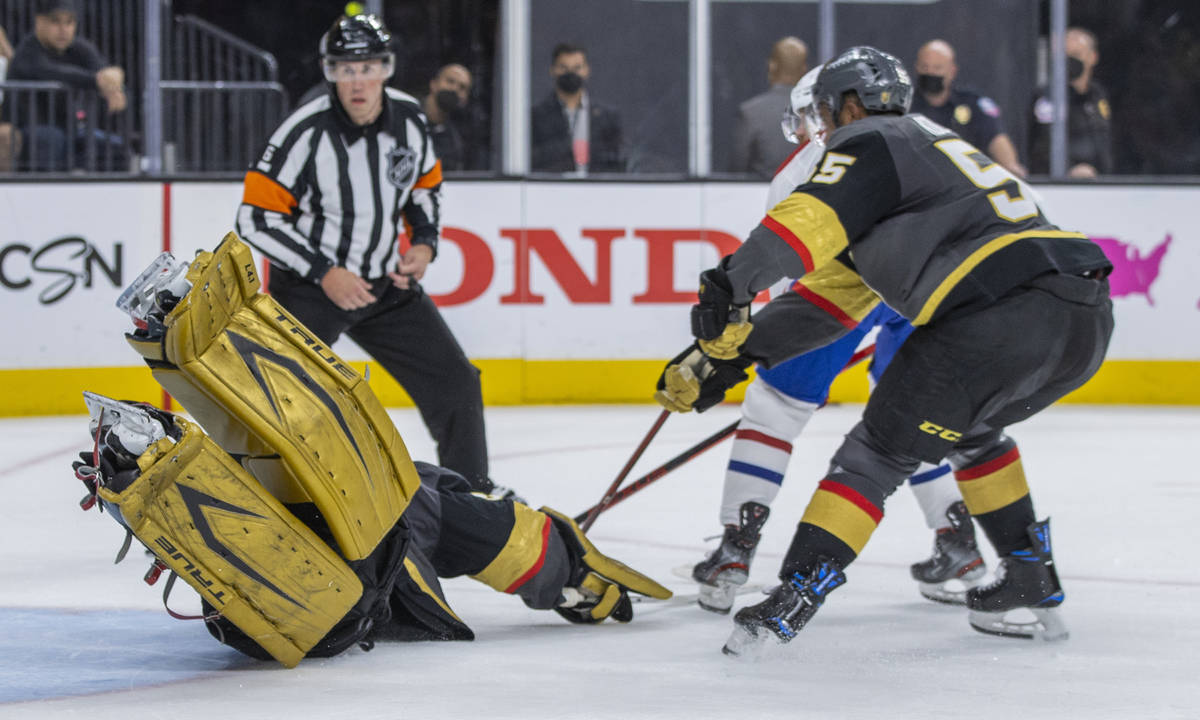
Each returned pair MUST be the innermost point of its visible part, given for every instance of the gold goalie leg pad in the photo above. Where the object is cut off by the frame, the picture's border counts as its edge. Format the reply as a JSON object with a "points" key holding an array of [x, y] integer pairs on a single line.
{"points": [[217, 528], [604, 566], [248, 367]]}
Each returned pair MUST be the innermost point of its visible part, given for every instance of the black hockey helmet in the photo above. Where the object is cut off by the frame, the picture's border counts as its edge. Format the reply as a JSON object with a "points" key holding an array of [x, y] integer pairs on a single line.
{"points": [[356, 37], [879, 79]]}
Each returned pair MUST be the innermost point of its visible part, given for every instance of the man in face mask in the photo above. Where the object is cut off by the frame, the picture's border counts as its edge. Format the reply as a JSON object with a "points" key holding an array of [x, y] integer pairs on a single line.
{"points": [[569, 132], [1089, 130], [975, 117], [449, 91]]}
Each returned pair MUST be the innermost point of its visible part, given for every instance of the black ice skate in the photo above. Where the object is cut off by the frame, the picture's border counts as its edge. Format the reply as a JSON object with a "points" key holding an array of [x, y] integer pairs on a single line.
{"points": [[727, 567], [955, 565], [786, 610], [1025, 580]]}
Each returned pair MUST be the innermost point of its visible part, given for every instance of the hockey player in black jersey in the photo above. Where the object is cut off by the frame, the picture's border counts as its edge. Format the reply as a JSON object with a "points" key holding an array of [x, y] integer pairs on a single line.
{"points": [[1011, 313]]}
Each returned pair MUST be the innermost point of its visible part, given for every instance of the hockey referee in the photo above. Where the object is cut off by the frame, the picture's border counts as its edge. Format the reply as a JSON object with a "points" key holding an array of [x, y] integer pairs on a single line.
{"points": [[324, 203]]}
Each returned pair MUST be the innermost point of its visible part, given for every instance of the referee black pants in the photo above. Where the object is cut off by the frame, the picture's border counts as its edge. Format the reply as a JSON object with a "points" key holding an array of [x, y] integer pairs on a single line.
{"points": [[404, 332]]}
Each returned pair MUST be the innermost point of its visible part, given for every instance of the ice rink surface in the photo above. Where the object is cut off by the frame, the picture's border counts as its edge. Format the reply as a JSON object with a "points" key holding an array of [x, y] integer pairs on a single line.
{"points": [[82, 638]]}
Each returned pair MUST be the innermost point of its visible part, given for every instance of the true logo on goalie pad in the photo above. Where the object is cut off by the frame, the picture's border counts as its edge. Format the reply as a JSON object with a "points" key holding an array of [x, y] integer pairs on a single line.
{"points": [[402, 166], [189, 567]]}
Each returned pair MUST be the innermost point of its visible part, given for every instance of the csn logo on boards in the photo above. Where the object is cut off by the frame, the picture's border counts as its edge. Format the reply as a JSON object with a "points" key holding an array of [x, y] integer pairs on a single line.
{"points": [[57, 267]]}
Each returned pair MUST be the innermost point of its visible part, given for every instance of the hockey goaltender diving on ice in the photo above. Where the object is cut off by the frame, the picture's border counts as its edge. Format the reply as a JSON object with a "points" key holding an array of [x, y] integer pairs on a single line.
{"points": [[289, 501]]}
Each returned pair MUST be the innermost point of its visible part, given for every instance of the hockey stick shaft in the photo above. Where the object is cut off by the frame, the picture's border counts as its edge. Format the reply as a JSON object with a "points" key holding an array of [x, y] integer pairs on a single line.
{"points": [[592, 514], [661, 470]]}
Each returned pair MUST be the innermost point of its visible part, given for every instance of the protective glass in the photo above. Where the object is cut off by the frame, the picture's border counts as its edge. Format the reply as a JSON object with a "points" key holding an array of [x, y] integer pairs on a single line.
{"points": [[350, 70]]}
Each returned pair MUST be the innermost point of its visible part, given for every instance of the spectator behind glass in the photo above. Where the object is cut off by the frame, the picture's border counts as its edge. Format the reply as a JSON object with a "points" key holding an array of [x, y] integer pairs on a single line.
{"points": [[758, 146], [10, 139], [1089, 116], [54, 53], [569, 131], [449, 91], [975, 117]]}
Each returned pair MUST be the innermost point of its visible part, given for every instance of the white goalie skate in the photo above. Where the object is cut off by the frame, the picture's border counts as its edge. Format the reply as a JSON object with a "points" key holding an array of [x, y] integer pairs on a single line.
{"points": [[164, 281], [124, 427]]}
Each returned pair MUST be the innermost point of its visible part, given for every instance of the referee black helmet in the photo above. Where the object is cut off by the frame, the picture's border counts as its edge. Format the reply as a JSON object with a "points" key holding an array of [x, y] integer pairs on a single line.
{"points": [[356, 37]]}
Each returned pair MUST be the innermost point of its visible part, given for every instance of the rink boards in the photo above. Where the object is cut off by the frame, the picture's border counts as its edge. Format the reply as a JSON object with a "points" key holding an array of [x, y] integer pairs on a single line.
{"points": [[560, 292]]}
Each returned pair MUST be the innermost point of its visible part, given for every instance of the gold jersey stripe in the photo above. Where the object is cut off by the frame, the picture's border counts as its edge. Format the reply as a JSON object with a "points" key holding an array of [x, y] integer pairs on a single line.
{"points": [[982, 253], [524, 551], [426, 588], [995, 490], [813, 225], [839, 291], [837, 515]]}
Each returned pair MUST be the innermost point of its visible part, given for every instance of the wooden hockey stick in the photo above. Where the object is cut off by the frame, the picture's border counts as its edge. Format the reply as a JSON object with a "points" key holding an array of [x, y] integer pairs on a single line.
{"points": [[613, 496], [595, 511]]}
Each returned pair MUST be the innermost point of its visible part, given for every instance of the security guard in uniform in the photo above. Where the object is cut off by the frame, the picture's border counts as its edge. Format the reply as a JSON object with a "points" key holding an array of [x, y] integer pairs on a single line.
{"points": [[974, 117], [1089, 117], [325, 203]]}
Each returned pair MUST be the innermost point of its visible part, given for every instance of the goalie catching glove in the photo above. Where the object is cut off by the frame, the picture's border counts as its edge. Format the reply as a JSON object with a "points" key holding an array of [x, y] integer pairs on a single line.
{"points": [[719, 325], [694, 380]]}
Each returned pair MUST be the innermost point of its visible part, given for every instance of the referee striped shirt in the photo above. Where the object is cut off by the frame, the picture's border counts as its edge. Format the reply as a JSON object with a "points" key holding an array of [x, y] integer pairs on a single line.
{"points": [[327, 192]]}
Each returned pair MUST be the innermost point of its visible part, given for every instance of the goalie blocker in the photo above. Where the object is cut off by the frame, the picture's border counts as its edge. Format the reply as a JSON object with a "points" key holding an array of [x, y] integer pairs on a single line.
{"points": [[322, 533]]}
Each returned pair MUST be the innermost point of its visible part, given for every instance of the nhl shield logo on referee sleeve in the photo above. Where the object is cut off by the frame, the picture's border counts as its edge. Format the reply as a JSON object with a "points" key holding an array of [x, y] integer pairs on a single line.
{"points": [[402, 166]]}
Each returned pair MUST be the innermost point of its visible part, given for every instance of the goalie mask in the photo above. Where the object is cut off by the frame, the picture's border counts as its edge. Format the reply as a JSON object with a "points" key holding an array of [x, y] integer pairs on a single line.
{"points": [[878, 78], [354, 40]]}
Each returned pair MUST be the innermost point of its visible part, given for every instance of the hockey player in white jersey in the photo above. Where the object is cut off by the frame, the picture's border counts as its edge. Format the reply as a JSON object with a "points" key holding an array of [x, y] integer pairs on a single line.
{"points": [[779, 404]]}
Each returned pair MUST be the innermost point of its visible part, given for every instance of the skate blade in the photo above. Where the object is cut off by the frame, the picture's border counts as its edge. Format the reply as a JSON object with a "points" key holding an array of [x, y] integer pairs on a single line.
{"points": [[953, 591], [717, 598], [743, 644], [1047, 625]]}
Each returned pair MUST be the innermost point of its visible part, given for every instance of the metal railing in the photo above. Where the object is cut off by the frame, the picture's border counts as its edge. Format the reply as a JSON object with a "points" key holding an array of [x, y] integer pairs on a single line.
{"points": [[202, 51], [50, 127], [218, 126]]}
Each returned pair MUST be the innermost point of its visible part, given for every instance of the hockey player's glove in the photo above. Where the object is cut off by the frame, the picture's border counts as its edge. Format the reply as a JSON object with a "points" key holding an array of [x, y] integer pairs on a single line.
{"points": [[598, 587], [695, 381], [720, 325]]}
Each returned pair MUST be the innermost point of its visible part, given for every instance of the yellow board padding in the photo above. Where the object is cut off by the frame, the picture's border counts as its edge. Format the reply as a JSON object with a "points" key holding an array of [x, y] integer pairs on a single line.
{"points": [[243, 363], [220, 531], [512, 381]]}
